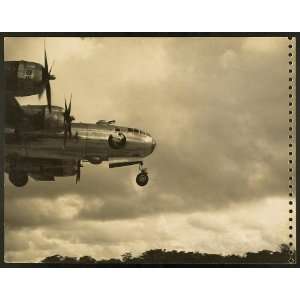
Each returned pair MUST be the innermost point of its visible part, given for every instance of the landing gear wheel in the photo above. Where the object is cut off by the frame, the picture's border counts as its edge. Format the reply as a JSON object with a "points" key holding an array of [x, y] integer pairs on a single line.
{"points": [[95, 161], [142, 179], [18, 179]]}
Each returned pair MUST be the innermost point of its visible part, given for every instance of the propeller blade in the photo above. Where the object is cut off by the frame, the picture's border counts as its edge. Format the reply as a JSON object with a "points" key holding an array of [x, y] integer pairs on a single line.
{"points": [[65, 113], [48, 94], [41, 94], [78, 171], [45, 59], [69, 108], [65, 137], [52, 65], [46, 78], [70, 130], [70, 104], [68, 120]]}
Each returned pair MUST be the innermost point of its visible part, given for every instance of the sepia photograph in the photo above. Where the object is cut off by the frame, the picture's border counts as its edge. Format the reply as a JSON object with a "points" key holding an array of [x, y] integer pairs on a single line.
{"points": [[149, 150]]}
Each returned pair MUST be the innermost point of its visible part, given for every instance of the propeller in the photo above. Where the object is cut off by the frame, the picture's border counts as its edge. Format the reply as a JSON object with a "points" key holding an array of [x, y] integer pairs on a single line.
{"points": [[68, 121], [47, 76], [79, 165]]}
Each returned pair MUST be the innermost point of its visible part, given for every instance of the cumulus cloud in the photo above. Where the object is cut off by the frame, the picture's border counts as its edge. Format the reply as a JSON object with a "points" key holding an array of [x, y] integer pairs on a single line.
{"points": [[240, 229], [217, 108]]}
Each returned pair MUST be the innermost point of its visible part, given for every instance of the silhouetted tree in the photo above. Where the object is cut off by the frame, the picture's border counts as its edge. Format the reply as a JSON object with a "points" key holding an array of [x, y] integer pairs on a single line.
{"points": [[53, 259], [70, 260], [161, 256], [126, 257], [87, 260], [284, 248]]}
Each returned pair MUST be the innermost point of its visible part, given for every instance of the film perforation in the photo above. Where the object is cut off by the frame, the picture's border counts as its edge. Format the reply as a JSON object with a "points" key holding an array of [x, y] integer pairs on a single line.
{"points": [[291, 145]]}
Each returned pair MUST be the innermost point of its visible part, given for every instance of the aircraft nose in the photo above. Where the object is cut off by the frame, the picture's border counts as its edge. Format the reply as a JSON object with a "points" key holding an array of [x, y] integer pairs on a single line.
{"points": [[153, 145]]}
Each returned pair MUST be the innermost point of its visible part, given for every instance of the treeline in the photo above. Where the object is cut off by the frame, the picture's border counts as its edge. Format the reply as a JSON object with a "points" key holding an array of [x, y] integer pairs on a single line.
{"points": [[162, 256]]}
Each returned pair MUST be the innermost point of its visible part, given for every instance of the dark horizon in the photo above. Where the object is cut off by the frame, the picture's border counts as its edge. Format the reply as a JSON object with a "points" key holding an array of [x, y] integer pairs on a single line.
{"points": [[163, 256]]}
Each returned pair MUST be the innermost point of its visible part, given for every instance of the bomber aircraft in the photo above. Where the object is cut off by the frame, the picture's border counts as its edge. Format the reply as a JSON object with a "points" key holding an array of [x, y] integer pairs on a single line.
{"points": [[43, 144], [41, 141]]}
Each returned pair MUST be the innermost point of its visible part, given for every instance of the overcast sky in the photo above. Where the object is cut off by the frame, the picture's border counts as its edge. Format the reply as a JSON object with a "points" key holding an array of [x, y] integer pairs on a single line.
{"points": [[218, 176]]}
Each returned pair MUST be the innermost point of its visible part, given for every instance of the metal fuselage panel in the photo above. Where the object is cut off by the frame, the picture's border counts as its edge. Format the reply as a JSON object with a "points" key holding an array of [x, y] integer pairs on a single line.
{"points": [[88, 141], [23, 78]]}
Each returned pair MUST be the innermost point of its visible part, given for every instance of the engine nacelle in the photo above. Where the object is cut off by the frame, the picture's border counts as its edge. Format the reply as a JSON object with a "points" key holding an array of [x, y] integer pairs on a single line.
{"points": [[39, 117], [23, 78], [55, 119]]}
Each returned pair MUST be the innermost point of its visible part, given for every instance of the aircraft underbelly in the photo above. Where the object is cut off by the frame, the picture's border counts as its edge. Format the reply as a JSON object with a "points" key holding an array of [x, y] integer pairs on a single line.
{"points": [[47, 148]]}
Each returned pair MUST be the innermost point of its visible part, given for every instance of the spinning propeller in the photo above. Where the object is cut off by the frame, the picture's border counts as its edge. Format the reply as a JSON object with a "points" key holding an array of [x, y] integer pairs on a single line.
{"points": [[68, 121], [47, 76], [79, 165]]}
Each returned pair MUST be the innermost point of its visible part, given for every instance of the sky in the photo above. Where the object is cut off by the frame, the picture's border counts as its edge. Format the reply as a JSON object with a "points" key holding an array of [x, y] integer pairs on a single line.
{"points": [[218, 109]]}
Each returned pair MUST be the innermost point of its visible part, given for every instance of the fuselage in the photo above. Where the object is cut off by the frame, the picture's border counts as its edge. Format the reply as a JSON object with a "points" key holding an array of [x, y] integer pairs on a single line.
{"points": [[88, 142]]}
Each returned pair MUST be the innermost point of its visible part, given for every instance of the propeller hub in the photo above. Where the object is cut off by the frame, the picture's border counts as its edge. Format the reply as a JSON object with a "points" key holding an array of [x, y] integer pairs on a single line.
{"points": [[52, 77]]}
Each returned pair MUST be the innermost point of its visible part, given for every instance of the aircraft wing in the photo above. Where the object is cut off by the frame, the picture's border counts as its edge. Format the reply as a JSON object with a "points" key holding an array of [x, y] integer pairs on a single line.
{"points": [[42, 169], [13, 111]]}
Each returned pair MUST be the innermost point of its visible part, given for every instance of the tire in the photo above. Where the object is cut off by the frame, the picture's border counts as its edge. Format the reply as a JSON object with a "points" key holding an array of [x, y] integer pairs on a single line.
{"points": [[142, 179], [95, 161], [18, 179]]}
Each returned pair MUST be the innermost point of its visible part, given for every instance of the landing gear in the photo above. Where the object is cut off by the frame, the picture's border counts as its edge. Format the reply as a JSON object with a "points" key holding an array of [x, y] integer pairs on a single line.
{"points": [[142, 178], [95, 160], [18, 178]]}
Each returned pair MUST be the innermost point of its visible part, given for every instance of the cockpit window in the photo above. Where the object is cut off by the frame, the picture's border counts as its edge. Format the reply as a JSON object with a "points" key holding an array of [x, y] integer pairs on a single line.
{"points": [[117, 129], [136, 130], [130, 129]]}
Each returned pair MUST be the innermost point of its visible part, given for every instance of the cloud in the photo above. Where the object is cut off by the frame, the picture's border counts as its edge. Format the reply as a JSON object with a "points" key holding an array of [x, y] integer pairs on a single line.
{"points": [[216, 106], [263, 44], [238, 229]]}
